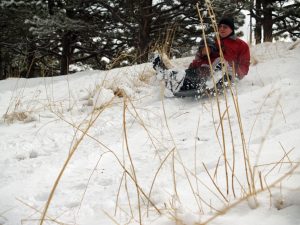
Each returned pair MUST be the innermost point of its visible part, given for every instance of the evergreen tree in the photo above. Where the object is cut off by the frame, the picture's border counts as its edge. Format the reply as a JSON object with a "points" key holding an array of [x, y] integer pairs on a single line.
{"points": [[173, 24], [287, 20], [76, 30], [17, 47], [276, 19], [49, 35]]}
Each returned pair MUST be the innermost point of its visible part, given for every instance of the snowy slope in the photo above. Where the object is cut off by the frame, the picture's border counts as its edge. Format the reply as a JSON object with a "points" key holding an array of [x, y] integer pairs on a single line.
{"points": [[148, 159]]}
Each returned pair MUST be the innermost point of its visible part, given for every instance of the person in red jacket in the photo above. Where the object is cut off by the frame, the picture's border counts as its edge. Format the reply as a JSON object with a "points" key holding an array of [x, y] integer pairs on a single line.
{"points": [[196, 80], [196, 76], [236, 52]]}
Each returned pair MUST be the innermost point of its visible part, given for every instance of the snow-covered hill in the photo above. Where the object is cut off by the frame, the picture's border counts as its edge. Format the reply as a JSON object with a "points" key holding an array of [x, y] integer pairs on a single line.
{"points": [[112, 150]]}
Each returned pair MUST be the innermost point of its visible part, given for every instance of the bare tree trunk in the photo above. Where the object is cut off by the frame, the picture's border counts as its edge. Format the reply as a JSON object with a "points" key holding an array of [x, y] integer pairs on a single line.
{"points": [[268, 21], [51, 7], [250, 23], [30, 67], [258, 24], [144, 40], [2, 74], [66, 54]]}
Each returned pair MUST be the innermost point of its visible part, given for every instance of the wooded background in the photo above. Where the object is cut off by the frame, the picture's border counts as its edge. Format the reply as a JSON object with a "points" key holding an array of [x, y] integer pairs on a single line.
{"points": [[45, 37]]}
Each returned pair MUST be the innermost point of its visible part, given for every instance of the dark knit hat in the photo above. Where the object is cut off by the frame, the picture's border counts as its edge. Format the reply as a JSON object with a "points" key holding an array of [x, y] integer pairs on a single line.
{"points": [[228, 21]]}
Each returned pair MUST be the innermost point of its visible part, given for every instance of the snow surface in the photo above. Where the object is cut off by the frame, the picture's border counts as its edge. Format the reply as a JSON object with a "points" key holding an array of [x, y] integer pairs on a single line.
{"points": [[111, 128]]}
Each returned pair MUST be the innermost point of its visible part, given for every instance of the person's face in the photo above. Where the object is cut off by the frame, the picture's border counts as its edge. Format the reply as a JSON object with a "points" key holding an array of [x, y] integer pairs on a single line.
{"points": [[224, 30], [204, 52]]}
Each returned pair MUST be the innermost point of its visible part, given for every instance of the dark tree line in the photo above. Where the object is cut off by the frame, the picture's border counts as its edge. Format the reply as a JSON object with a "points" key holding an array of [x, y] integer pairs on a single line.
{"points": [[45, 37]]}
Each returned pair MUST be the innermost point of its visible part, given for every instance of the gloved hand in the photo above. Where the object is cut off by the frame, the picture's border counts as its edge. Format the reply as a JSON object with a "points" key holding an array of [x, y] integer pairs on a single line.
{"points": [[195, 64], [240, 77], [191, 66]]}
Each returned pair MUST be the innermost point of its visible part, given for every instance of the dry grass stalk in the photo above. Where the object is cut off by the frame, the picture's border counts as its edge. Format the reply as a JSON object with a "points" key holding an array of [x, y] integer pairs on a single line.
{"points": [[264, 139], [111, 218], [127, 195], [248, 167], [234, 97], [155, 176], [17, 116], [276, 182], [142, 123], [287, 156], [254, 61], [146, 76], [118, 192], [72, 151], [214, 183], [217, 99], [195, 161], [208, 188], [260, 181], [257, 116], [131, 161], [275, 163], [88, 182], [165, 45], [179, 159], [54, 220], [294, 45], [116, 157], [279, 162], [216, 169], [173, 154]]}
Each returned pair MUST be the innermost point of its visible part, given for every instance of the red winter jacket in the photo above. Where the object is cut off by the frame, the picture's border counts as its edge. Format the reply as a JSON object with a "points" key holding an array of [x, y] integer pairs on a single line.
{"points": [[236, 53]]}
